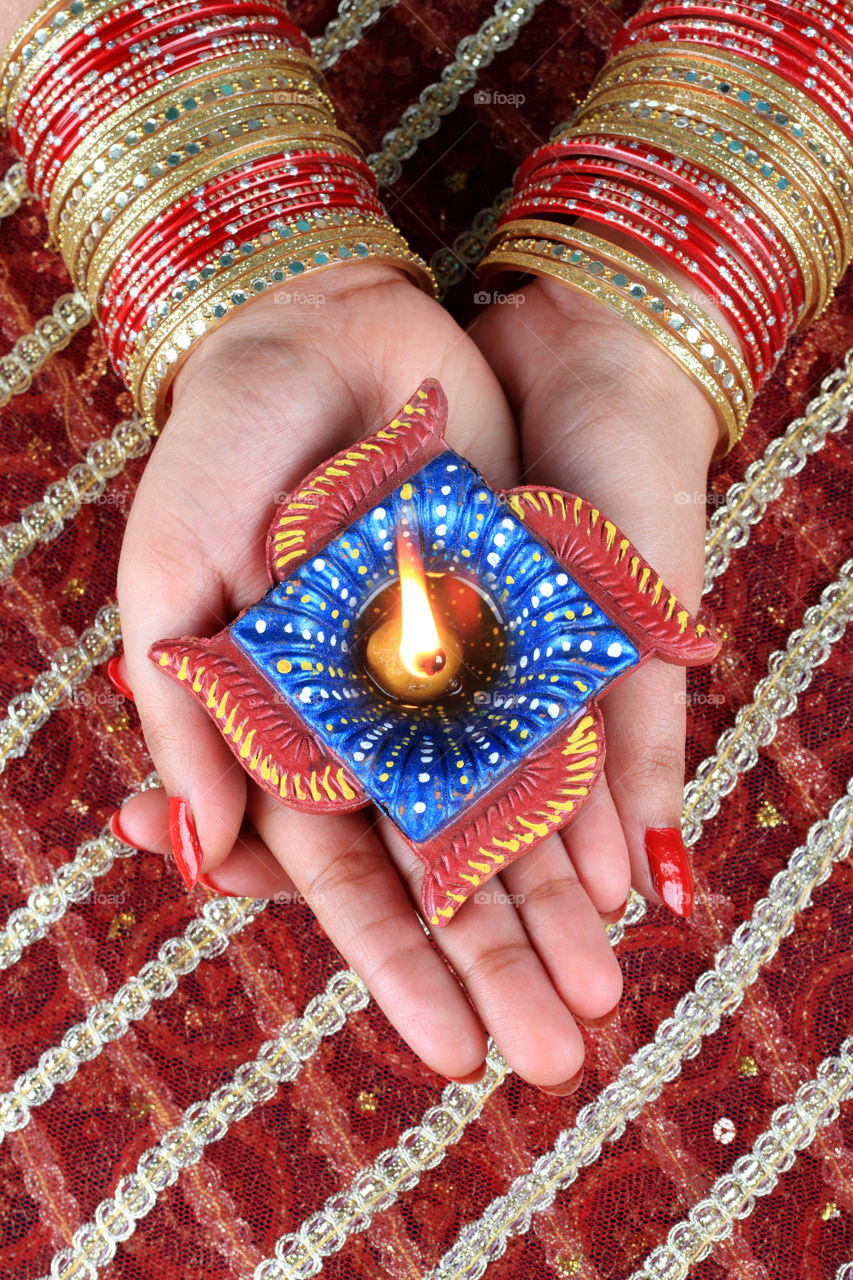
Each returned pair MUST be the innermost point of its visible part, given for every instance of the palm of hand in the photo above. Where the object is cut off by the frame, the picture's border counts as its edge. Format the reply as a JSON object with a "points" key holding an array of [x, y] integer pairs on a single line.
{"points": [[193, 557]]}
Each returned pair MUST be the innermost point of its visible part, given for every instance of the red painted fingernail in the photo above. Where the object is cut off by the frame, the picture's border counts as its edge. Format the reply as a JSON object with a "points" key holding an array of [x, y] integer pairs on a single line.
{"points": [[596, 1023], [470, 1079], [214, 888], [117, 680], [116, 829], [670, 868], [611, 917], [562, 1090], [185, 845]]}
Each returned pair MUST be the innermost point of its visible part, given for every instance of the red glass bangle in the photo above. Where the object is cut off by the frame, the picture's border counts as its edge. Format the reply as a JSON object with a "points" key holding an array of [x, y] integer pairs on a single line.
{"points": [[161, 274], [45, 174], [122, 350], [617, 146], [723, 36], [702, 266], [714, 285], [732, 233], [794, 24], [656, 164], [261, 172], [667, 166], [104, 59], [151, 261], [748, 20]]}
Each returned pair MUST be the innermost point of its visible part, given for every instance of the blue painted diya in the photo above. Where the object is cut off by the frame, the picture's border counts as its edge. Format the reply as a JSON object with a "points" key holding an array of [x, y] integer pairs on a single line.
{"points": [[540, 605]]}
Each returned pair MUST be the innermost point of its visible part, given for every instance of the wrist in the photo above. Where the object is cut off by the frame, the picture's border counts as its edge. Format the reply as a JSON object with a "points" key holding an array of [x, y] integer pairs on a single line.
{"points": [[668, 410], [296, 316]]}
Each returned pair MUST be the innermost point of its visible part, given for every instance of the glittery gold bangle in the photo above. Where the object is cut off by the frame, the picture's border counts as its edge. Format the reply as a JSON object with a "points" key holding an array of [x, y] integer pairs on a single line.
{"points": [[295, 238], [718, 141], [648, 286], [43, 40], [672, 343], [740, 178], [179, 152], [118, 221], [183, 103], [751, 86], [151, 376], [750, 136]]}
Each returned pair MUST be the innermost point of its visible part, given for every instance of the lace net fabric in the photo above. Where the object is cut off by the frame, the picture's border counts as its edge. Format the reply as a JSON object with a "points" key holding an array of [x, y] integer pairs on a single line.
{"points": [[197, 1087]]}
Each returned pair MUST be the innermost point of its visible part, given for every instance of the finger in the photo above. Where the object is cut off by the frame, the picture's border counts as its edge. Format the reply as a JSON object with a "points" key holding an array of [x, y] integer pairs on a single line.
{"points": [[507, 982], [249, 870], [565, 930], [595, 843], [645, 726], [162, 592], [343, 872]]}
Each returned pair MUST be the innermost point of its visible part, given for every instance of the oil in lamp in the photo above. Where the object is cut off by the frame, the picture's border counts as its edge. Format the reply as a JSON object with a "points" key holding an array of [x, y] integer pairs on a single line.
{"points": [[434, 647]]}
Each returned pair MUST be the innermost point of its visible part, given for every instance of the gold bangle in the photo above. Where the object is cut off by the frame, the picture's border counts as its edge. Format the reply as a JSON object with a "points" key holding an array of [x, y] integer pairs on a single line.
{"points": [[760, 84], [685, 150], [81, 237], [722, 115], [295, 238], [135, 121], [740, 178], [152, 382], [630, 310], [172, 151], [653, 289]]}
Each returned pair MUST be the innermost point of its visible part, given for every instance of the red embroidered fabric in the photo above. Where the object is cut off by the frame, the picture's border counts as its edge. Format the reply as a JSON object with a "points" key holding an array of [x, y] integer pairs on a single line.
{"points": [[361, 1088]]}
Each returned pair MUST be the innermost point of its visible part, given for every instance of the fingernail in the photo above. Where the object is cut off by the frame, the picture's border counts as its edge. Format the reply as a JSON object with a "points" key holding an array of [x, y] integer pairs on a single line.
{"points": [[562, 1090], [116, 829], [596, 1023], [185, 845], [670, 868], [611, 917], [214, 888], [470, 1079], [117, 680]]}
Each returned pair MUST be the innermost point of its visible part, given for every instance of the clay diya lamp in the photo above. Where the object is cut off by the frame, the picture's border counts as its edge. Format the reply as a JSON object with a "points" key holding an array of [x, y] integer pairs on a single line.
{"points": [[435, 647]]}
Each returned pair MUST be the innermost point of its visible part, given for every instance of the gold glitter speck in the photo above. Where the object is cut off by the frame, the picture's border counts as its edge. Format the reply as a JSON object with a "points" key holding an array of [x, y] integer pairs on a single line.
{"points": [[367, 1101], [74, 587], [569, 1266], [747, 1066], [830, 1211], [769, 816]]}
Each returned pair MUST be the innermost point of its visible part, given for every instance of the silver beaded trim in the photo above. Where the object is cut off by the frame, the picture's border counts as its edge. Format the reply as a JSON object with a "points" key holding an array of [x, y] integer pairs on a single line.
{"points": [[13, 189], [85, 482], [792, 1128], [717, 994], [845, 1271], [376, 1187], [774, 698], [423, 118], [343, 33], [69, 668], [73, 882], [206, 936], [785, 456], [70, 314], [451, 264], [279, 1061]]}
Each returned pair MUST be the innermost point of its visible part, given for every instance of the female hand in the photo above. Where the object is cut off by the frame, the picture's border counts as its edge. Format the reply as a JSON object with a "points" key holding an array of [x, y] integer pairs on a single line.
{"points": [[605, 413], [264, 399]]}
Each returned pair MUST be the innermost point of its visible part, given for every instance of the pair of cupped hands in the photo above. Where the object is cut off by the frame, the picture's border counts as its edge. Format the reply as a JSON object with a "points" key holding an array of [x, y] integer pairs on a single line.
{"points": [[551, 389]]}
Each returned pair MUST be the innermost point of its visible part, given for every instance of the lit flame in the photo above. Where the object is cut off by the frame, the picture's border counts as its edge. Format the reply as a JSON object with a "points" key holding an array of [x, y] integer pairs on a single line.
{"points": [[420, 647]]}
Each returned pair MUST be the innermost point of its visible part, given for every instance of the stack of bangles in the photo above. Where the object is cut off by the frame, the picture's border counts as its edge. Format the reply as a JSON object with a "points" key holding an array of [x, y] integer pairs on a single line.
{"points": [[718, 140], [187, 158]]}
